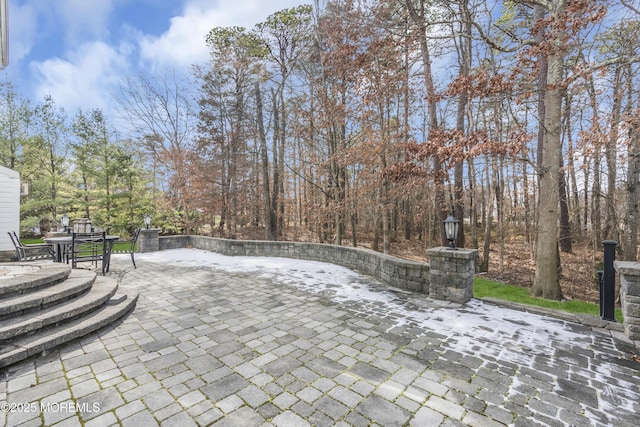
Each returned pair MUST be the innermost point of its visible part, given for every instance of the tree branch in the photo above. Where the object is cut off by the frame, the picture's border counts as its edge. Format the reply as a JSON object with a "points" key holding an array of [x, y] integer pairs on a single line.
{"points": [[630, 7], [542, 3], [307, 180], [487, 40], [619, 60]]}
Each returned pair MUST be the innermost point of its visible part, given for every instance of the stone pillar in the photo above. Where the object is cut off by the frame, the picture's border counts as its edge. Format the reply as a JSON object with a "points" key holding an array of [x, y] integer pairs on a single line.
{"points": [[630, 296], [148, 240], [451, 274]]}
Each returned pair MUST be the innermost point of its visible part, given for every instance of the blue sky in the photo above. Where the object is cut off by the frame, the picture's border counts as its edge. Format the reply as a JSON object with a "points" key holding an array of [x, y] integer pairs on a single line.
{"points": [[78, 51]]}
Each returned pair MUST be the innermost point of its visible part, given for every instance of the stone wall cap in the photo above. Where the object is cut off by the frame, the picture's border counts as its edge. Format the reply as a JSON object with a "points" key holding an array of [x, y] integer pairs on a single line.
{"points": [[631, 268], [458, 253]]}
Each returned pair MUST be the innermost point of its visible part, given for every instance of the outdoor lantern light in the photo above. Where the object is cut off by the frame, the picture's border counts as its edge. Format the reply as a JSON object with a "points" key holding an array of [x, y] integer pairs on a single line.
{"points": [[147, 220], [65, 221], [451, 227]]}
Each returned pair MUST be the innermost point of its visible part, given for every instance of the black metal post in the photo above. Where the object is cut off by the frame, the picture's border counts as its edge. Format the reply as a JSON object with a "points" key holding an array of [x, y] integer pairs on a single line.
{"points": [[600, 289], [608, 295]]}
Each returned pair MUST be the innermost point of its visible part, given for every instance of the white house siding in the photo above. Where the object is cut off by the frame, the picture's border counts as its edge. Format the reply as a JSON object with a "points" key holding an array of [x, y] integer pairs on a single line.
{"points": [[9, 206]]}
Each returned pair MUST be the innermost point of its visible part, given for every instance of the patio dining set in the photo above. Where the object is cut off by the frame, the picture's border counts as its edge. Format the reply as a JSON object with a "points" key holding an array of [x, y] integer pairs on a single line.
{"points": [[74, 247]]}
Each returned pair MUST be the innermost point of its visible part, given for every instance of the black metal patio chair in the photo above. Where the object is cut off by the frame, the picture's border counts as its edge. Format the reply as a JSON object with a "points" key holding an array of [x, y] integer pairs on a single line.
{"points": [[90, 247], [128, 246], [30, 252]]}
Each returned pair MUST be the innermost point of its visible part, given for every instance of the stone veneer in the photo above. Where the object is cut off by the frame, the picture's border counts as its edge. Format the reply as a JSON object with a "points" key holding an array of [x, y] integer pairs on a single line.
{"points": [[451, 274], [397, 272], [148, 240], [11, 256], [630, 296], [8, 256]]}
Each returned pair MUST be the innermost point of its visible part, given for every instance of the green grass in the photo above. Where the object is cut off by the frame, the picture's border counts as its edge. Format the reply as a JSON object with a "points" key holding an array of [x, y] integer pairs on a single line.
{"points": [[123, 246], [31, 241], [116, 246], [488, 288]]}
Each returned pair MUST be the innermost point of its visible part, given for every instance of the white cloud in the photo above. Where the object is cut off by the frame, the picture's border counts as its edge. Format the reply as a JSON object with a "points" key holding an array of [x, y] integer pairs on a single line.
{"points": [[77, 20], [86, 80], [23, 17], [85, 68], [183, 44], [82, 19]]}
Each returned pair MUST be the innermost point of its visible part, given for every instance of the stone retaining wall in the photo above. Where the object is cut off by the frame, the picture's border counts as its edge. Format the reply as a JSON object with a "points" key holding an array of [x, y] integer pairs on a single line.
{"points": [[12, 256], [174, 242], [630, 296], [396, 272], [8, 256]]}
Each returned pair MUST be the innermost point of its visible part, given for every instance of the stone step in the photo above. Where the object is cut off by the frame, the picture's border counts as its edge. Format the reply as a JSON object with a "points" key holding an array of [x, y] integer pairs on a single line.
{"points": [[35, 276], [76, 283], [101, 291], [47, 338]]}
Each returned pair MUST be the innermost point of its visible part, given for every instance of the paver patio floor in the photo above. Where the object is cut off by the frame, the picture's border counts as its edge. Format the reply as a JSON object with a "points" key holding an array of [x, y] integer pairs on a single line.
{"points": [[216, 345]]}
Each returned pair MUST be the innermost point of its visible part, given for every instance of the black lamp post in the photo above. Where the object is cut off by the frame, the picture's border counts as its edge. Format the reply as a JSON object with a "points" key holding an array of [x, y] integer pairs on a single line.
{"points": [[147, 220], [451, 228], [65, 222]]}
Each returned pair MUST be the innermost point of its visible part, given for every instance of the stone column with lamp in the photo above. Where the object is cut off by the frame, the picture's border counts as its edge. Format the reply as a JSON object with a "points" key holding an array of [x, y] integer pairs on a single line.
{"points": [[451, 269], [148, 241]]}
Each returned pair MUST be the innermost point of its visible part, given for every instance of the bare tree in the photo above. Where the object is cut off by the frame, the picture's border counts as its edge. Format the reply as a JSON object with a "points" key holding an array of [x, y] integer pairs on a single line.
{"points": [[161, 106]]}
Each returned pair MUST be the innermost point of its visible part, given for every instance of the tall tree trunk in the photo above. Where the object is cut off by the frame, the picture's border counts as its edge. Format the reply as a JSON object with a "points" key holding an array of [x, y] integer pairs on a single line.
{"points": [[282, 136], [407, 218], [473, 204], [565, 239], [407, 212], [420, 17], [498, 183], [275, 187], [573, 182], [543, 70], [465, 67], [526, 203], [255, 190], [268, 209], [585, 213], [633, 178], [354, 237], [386, 237], [375, 244], [487, 218], [612, 231], [565, 228], [546, 282], [383, 203], [633, 182], [596, 193]]}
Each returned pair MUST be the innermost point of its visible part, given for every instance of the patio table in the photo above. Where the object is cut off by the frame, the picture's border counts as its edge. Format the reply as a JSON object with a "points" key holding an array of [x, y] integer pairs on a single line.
{"points": [[60, 245]]}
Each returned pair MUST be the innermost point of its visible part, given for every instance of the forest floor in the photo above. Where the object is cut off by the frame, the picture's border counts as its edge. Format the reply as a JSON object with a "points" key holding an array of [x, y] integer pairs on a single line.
{"points": [[579, 269]]}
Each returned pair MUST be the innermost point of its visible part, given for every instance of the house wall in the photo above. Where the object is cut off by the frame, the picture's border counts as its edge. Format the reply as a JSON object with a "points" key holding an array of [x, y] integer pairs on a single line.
{"points": [[9, 206]]}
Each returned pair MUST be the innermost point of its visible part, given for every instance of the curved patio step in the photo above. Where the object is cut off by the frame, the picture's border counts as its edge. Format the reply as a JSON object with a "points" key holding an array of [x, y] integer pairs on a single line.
{"points": [[40, 275], [47, 338], [76, 283], [103, 288]]}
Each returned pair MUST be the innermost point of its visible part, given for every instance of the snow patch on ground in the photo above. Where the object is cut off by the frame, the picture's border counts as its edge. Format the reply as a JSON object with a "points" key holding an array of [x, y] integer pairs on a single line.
{"points": [[476, 324]]}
